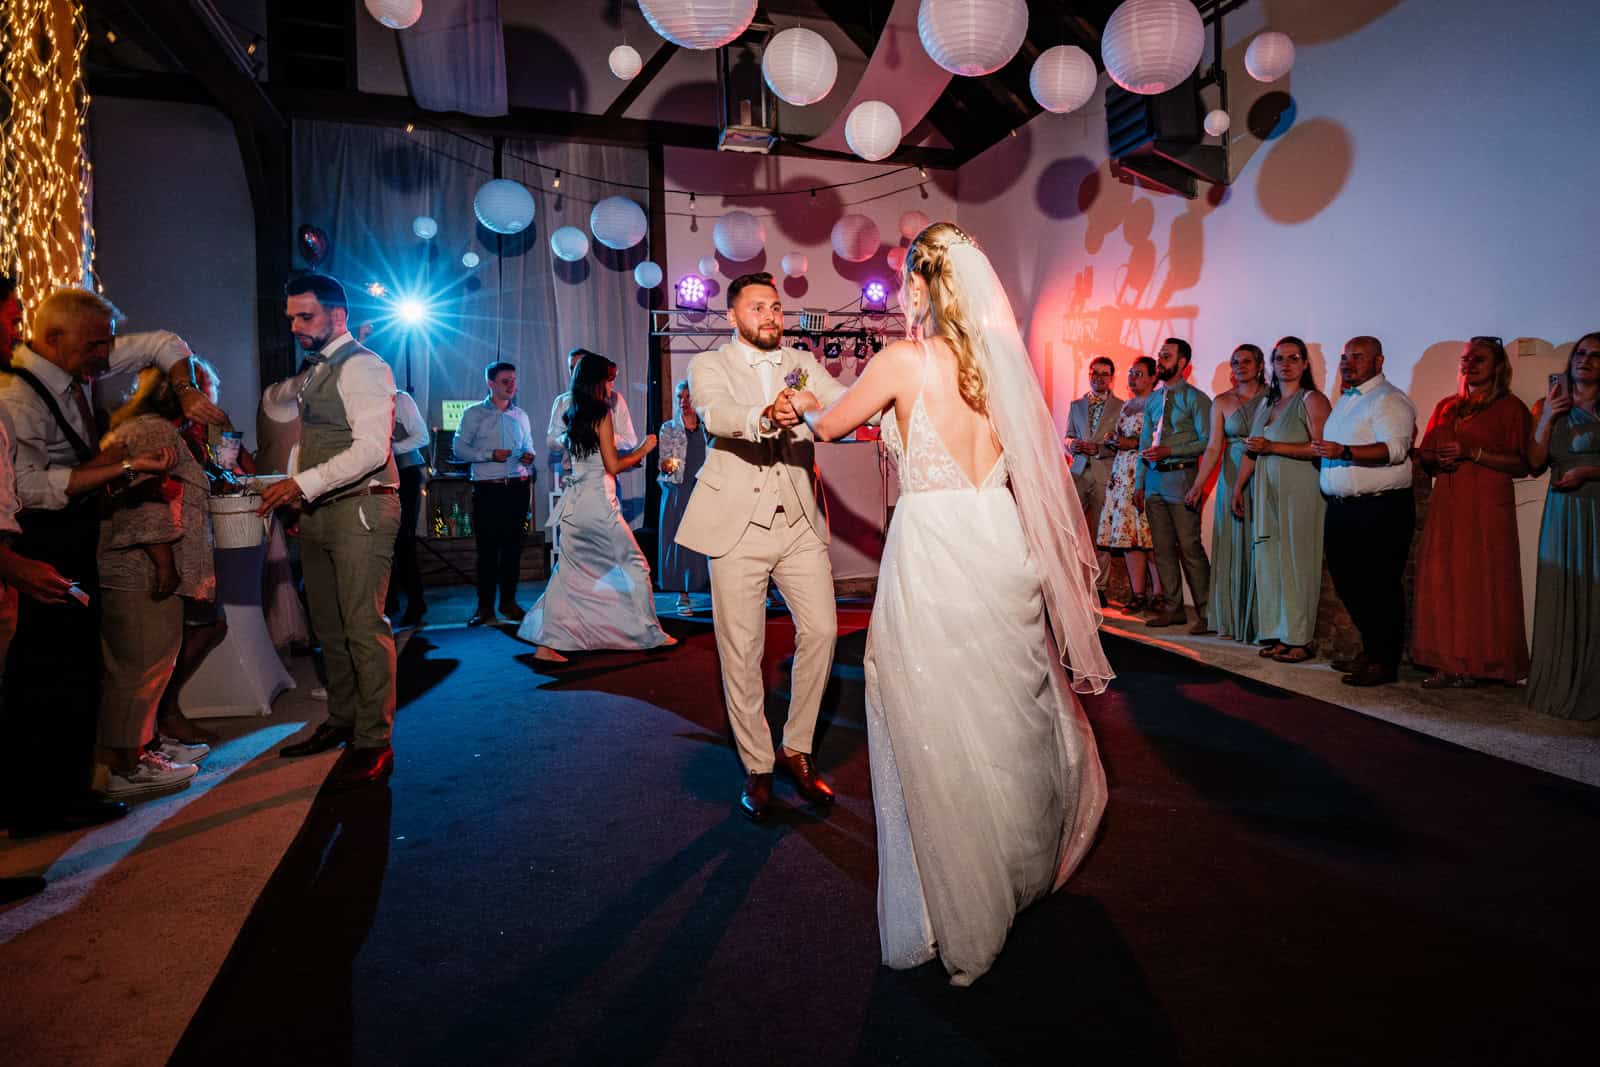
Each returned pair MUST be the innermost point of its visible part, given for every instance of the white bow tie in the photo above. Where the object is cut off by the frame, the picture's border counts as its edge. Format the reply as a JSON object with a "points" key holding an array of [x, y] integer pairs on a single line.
{"points": [[756, 356]]}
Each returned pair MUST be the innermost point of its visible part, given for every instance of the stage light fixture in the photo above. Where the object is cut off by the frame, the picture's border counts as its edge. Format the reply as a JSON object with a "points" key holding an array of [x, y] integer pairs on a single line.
{"points": [[411, 311], [377, 289], [875, 297], [692, 292]]}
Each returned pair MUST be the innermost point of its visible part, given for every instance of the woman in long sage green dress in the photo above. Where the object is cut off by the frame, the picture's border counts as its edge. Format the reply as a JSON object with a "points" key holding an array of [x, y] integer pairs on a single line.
{"points": [[1564, 678], [1286, 505], [1231, 609]]}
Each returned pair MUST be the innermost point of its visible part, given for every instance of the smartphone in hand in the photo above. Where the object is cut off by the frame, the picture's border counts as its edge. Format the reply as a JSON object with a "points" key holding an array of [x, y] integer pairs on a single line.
{"points": [[1558, 384]]}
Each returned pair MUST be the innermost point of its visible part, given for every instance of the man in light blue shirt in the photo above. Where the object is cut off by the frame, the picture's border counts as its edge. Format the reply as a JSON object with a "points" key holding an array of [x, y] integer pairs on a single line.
{"points": [[497, 439], [1176, 425]]}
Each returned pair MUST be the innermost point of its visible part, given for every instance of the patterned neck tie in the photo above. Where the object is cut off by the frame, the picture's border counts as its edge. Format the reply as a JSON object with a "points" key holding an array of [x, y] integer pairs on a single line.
{"points": [[1097, 407], [81, 402]]}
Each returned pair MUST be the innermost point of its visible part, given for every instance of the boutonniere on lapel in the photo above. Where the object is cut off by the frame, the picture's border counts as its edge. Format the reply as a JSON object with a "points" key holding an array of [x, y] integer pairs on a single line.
{"points": [[796, 379]]}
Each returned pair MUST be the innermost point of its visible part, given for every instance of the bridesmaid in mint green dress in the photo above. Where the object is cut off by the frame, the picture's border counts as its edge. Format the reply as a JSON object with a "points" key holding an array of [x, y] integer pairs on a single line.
{"points": [[1231, 609], [1564, 677]]}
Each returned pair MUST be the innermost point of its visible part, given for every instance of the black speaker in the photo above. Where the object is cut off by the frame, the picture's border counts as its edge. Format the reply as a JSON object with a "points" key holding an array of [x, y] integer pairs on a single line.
{"points": [[1157, 139]]}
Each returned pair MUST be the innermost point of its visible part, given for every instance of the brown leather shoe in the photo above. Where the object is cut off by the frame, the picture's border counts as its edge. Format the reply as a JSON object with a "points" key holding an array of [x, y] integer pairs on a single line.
{"points": [[1370, 674], [757, 795], [359, 767], [322, 738], [804, 772], [1201, 628], [1167, 618]]}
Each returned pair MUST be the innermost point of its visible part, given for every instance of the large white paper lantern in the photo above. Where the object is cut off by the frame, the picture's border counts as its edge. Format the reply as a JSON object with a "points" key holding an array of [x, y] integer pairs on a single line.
{"points": [[972, 37], [873, 130], [855, 238], [794, 265], [625, 62], [647, 275], [1217, 122], [799, 66], [699, 23], [503, 206], [618, 223], [569, 243], [424, 227], [1149, 46], [1063, 78], [1269, 57], [739, 236], [395, 14], [707, 266], [913, 223], [896, 258]]}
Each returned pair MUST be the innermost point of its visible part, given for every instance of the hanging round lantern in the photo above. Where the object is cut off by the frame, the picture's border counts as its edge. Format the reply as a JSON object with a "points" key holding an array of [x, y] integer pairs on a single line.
{"points": [[707, 266], [873, 130], [625, 62], [699, 23], [647, 275], [972, 37], [896, 258], [470, 260], [424, 227], [503, 206], [1269, 57], [855, 238], [913, 223], [1217, 122], [1063, 78], [1149, 46], [799, 66], [618, 223], [794, 265], [739, 236], [569, 243], [395, 14]]}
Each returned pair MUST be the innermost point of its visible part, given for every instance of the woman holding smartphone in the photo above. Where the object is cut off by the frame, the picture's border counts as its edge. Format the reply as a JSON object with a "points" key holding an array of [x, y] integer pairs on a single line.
{"points": [[1564, 679]]}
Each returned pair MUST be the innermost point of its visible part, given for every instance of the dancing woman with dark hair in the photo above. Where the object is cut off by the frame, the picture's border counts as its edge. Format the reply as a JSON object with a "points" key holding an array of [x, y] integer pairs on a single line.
{"points": [[599, 596]]}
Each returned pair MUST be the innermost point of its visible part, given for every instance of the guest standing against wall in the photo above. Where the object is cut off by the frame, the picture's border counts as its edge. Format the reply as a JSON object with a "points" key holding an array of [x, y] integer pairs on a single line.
{"points": [[682, 453], [1171, 440], [410, 437], [497, 439], [1564, 679], [1091, 420], [1123, 526], [555, 433]]}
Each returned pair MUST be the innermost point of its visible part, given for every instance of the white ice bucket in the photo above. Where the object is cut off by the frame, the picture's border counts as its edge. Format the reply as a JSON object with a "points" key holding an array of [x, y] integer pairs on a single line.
{"points": [[234, 521]]}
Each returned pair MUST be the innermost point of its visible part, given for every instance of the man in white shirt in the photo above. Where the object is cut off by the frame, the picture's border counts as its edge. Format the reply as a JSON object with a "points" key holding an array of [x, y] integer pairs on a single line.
{"points": [[497, 439], [1366, 478], [621, 420], [410, 438], [347, 486]]}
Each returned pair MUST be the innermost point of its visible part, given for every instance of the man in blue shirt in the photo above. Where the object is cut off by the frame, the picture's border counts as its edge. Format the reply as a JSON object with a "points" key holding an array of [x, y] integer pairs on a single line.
{"points": [[497, 439], [1177, 423]]}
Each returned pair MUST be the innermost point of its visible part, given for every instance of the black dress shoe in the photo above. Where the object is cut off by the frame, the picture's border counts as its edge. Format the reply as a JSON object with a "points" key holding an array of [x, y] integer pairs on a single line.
{"points": [[480, 617], [804, 772], [514, 612], [359, 767], [15, 889], [1371, 674], [757, 796], [84, 815], [1349, 666], [322, 738]]}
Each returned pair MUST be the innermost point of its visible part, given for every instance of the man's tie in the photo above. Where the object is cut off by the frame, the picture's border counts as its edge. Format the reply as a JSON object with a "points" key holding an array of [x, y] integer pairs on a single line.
{"points": [[85, 413], [756, 357], [1353, 391], [1161, 420], [1096, 409]]}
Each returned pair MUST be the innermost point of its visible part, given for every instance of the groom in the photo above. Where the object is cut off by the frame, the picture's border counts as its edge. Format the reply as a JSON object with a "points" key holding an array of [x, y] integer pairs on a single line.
{"points": [[757, 512]]}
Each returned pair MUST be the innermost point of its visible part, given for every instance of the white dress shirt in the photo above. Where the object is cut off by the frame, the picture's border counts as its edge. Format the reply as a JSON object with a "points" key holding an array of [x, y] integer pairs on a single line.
{"points": [[410, 428], [366, 386], [768, 365], [43, 457], [621, 425], [485, 429], [1372, 412], [8, 489]]}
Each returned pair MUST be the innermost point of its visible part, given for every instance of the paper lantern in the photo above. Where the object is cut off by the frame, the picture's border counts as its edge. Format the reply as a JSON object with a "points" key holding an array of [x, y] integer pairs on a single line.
{"points": [[972, 37], [618, 223], [647, 274], [470, 260], [707, 266], [1217, 122], [424, 227], [569, 243], [855, 238], [799, 66], [625, 62], [395, 14], [503, 206], [1269, 57], [794, 265], [1149, 46], [897, 259], [739, 236], [1063, 78], [873, 130], [913, 223], [699, 23]]}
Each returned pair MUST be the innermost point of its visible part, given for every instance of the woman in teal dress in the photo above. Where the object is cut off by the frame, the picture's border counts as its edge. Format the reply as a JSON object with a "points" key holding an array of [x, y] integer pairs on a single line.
{"points": [[1286, 504], [1231, 609], [1564, 678]]}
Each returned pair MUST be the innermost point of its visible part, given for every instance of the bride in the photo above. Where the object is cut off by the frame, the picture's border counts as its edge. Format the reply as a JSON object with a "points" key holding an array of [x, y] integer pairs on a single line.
{"points": [[986, 779]]}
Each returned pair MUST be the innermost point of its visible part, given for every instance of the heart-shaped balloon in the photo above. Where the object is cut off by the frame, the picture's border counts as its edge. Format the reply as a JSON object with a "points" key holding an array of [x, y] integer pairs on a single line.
{"points": [[313, 243]]}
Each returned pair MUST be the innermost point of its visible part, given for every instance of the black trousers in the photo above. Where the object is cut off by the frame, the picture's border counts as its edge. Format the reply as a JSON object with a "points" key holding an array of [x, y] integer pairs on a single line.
{"points": [[1367, 540], [405, 576], [498, 511]]}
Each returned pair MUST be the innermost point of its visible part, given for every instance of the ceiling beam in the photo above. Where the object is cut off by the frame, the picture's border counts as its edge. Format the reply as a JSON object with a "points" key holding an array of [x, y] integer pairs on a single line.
{"points": [[641, 81]]}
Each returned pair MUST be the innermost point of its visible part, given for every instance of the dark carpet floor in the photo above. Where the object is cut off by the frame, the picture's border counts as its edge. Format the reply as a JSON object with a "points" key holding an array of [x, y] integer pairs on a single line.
{"points": [[558, 876]]}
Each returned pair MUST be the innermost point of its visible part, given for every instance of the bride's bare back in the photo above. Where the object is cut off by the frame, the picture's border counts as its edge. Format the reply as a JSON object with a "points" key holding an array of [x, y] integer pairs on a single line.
{"points": [[966, 434]]}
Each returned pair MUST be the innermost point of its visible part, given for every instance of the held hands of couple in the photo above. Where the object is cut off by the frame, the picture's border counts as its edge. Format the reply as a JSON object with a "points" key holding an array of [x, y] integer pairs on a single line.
{"points": [[791, 407], [1156, 453], [1326, 449]]}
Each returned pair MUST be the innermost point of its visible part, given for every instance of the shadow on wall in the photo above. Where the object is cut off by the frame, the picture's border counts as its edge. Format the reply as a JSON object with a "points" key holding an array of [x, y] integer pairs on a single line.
{"points": [[541, 72], [1305, 171], [1317, 21]]}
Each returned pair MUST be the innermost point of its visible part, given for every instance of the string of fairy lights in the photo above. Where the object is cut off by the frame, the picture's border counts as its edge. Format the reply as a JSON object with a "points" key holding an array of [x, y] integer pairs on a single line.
{"points": [[46, 240]]}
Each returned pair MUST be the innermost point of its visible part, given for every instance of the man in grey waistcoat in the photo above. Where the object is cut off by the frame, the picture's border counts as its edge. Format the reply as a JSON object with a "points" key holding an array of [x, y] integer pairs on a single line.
{"points": [[1090, 420], [346, 485]]}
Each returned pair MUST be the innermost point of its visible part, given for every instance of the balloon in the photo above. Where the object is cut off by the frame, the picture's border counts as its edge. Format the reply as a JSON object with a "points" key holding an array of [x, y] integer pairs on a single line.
{"points": [[313, 244]]}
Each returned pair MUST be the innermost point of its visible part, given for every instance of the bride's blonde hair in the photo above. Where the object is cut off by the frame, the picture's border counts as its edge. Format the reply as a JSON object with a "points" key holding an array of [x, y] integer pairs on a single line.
{"points": [[929, 257]]}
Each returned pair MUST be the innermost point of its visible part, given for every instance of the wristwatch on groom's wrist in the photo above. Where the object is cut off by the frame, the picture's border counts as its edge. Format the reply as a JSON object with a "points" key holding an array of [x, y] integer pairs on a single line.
{"points": [[767, 424], [1347, 455]]}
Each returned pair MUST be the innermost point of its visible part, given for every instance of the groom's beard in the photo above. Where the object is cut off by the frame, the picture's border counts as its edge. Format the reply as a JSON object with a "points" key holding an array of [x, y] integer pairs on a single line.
{"points": [[766, 340]]}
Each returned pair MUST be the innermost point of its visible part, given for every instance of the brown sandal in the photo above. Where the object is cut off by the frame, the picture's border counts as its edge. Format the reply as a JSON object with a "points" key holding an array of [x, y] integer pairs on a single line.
{"points": [[1272, 651], [1296, 654]]}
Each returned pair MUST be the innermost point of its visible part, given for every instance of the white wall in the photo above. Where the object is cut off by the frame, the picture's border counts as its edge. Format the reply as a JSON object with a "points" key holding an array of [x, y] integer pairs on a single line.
{"points": [[1437, 181]]}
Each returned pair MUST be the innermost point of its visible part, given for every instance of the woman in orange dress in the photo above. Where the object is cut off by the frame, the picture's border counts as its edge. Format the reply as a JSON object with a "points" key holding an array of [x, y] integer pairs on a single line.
{"points": [[1469, 572]]}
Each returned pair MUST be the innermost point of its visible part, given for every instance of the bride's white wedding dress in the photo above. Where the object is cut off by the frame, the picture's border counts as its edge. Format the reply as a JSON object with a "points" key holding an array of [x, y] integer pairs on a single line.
{"points": [[985, 775]]}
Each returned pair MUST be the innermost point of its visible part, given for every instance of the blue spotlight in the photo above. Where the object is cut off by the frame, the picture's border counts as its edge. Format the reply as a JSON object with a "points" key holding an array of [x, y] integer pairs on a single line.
{"points": [[411, 311]]}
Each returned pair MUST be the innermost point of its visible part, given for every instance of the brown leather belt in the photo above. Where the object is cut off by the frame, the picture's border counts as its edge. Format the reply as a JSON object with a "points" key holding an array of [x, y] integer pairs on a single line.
{"points": [[371, 490]]}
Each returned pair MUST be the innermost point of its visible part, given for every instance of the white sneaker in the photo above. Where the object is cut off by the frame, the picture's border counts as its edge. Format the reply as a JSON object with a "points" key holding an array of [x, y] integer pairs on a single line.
{"points": [[685, 605], [319, 693], [153, 776], [178, 752]]}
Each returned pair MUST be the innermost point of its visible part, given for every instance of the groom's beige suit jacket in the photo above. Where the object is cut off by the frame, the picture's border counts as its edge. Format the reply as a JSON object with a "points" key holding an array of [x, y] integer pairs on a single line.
{"points": [[742, 473]]}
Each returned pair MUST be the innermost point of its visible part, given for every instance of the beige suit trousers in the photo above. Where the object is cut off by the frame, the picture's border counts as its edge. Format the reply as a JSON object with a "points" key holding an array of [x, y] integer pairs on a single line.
{"points": [[797, 561]]}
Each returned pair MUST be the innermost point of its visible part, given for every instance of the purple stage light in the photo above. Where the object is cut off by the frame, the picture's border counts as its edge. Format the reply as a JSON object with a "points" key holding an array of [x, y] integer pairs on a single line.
{"points": [[692, 292], [875, 297]]}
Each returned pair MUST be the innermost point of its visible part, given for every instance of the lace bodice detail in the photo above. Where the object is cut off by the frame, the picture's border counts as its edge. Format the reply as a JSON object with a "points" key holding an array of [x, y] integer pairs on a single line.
{"points": [[925, 465]]}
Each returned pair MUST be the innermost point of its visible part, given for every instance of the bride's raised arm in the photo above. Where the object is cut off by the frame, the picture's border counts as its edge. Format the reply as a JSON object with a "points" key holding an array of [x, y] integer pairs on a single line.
{"points": [[879, 387]]}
